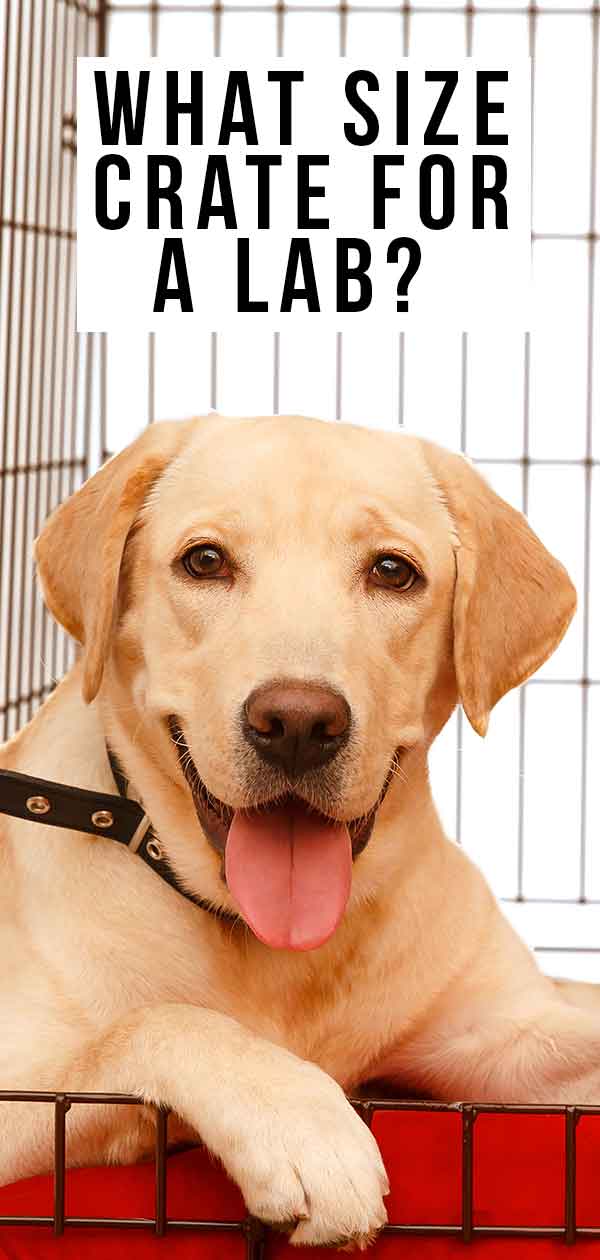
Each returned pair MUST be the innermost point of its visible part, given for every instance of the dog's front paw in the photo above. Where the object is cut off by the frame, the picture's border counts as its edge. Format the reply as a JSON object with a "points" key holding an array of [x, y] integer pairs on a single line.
{"points": [[308, 1163]]}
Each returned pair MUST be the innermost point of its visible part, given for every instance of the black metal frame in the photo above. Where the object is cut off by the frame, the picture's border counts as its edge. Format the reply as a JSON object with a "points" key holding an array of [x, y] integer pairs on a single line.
{"points": [[255, 1233]]}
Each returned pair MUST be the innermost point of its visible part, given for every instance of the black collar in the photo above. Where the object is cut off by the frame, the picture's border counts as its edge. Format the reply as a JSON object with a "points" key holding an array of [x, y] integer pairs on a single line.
{"points": [[98, 814]]}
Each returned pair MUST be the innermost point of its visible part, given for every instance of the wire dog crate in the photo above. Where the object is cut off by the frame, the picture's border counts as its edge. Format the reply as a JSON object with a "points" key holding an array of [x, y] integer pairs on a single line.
{"points": [[67, 402], [256, 1235]]}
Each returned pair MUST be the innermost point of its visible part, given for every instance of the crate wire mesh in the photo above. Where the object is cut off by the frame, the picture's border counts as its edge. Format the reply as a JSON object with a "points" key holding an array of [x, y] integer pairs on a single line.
{"points": [[256, 1235], [524, 407], [47, 373]]}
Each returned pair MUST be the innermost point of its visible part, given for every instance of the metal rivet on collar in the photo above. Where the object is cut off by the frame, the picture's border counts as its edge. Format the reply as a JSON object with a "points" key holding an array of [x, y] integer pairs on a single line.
{"points": [[102, 818], [37, 804], [154, 850]]}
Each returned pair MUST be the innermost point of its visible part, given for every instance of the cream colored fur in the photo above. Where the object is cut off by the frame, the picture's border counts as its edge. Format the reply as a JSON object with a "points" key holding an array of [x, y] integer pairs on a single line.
{"points": [[112, 981]]}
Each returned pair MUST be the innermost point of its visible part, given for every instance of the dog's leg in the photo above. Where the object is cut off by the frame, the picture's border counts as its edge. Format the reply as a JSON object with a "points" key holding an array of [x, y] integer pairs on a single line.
{"points": [[283, 1128], [580, 993], [549, 1053]]}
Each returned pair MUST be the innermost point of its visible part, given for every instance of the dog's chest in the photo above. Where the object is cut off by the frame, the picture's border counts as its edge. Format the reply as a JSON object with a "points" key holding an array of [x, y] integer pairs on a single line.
{"points": [[331, 1016], [334, 1010], [131, 942]]}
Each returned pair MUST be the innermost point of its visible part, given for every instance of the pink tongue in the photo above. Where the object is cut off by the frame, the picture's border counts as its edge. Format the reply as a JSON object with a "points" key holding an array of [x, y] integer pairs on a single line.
{"points": [[290, 873]]}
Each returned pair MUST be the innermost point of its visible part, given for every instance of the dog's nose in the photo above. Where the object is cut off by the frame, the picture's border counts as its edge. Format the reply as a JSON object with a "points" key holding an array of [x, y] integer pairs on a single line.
{"points": [[298, 726]]}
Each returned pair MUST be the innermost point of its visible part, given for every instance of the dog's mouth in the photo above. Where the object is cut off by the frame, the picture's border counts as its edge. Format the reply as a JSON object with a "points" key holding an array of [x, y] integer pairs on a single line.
{"points": [[288, 866]]}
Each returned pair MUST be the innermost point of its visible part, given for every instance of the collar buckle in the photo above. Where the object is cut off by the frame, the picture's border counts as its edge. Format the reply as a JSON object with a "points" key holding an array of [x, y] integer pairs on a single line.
{"points": [[139, 834]]}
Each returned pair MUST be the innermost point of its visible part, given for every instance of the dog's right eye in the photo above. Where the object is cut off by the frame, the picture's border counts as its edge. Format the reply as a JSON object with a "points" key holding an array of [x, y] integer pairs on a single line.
{"points": [[395, 572], [205, 561]]}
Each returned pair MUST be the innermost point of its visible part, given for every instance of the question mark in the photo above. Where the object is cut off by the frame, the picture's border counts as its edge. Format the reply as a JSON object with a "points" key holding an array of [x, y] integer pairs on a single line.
{"points": [[412, 266]]}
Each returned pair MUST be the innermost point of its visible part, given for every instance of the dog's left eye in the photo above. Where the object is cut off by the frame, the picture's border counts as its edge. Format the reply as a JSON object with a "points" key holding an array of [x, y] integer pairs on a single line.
{"points": [[204, 561], [394, 571]]}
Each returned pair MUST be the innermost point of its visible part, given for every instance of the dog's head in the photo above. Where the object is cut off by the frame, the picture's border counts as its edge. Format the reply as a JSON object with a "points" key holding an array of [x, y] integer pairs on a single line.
{"points": [[285, 608]]}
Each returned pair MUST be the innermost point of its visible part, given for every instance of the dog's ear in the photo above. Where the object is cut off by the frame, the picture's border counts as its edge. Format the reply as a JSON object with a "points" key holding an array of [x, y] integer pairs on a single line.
{"points": [[80, 548], [513, 601]]}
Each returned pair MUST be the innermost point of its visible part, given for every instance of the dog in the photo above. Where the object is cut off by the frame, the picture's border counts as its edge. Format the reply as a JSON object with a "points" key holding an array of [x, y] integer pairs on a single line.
{"points": [[276, 617]]}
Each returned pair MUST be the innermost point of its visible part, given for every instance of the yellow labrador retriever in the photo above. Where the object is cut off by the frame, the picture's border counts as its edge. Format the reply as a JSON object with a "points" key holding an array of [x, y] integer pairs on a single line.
{"points": [[277, 616]]}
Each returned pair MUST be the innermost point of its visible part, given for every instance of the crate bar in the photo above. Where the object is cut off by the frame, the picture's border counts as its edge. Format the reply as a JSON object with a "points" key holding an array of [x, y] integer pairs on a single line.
{"points": [[101, 18], [160, 1164], [280, 23], [45, 1096], [40, 229], [543, 462], [61, 1107], [110, 1222], [276, 372], [468, 1121], [464, 372], [525, 480], [25, 353], [342, 11], [8, 518], [401, 378], [339, 349], [587, 540], [490, 1231], [44, 466], [553, 901], [256, 1237], [367, 1105], [405, 9], [123, 1222], [490, 1109], [464, 398], [6, 1221], [75, 340], [63, 332], [571, 1119], [3, 132], [95, 1222], [531, 1231], [49, 349], [421, 1230], [41, 417], [364, 1109], [153, 19], [104, 451], [39, 694], [214, 367], [148, 1222], [407, 1104]]}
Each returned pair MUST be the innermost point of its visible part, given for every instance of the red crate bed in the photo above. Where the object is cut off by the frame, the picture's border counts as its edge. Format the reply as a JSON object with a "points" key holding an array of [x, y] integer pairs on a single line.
{"points": [[506, 1182]]}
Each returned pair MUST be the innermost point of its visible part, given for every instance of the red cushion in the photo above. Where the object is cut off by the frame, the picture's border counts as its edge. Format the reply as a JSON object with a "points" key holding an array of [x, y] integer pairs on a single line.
{"points": [[518, 1180]]}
